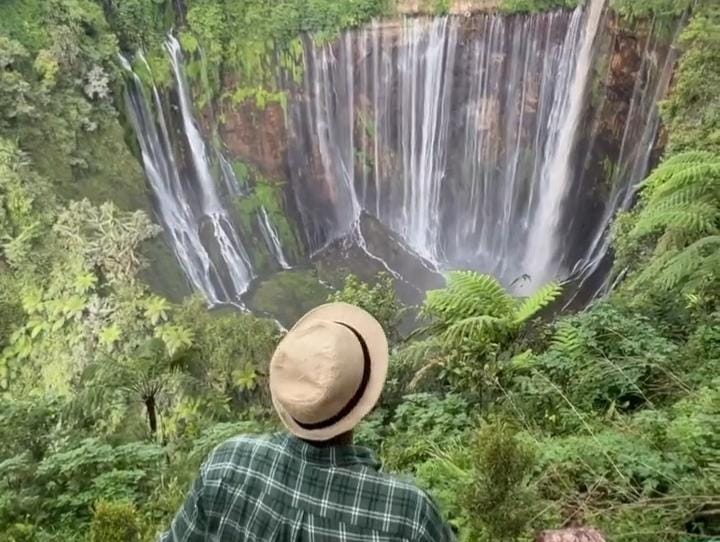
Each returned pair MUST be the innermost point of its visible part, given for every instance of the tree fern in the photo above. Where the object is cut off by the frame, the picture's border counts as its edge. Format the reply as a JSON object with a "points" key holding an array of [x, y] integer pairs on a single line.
{"points": [[699, 261], [467, 294], [681, 208], [483, 293], [690, 157], [693, 218], [705, 178], [680, 170], [682, 194]]}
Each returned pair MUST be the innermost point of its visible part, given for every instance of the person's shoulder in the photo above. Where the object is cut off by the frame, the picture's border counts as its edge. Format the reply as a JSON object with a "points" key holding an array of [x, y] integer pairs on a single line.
{"points": [[240, 448]]}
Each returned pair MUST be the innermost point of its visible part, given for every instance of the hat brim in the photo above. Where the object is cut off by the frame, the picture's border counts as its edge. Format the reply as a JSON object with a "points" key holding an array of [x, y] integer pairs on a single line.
{"points": [[374, 336]]}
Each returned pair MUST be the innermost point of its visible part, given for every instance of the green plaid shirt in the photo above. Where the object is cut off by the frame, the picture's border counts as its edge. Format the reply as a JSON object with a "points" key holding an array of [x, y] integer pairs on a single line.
{"points": [[281, 488]]}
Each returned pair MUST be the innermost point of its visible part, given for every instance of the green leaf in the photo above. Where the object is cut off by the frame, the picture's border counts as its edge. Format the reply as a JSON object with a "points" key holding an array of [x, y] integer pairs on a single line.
{"points": [[156, 309], [85, 282], [535, 303], [110, 335], [175, 337]]}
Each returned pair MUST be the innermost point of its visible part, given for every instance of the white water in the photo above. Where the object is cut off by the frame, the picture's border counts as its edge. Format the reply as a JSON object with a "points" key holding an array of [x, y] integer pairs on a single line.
{"points": [[463, 137], [272, 239], [199, 229], [543, 255]]}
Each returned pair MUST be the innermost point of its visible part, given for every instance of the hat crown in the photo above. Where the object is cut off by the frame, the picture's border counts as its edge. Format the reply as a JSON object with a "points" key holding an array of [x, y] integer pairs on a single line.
{"points": [[316, 370]]}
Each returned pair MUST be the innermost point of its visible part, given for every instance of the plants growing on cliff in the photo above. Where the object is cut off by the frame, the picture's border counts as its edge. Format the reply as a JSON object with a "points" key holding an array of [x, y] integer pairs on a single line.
{"points": [[651, 9], [534, 6], [692, 111], [269, 28]]}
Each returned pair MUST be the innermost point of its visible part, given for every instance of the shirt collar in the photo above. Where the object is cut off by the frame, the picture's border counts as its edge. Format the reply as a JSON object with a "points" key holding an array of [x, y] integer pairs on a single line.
{"points": [[334, 456]]}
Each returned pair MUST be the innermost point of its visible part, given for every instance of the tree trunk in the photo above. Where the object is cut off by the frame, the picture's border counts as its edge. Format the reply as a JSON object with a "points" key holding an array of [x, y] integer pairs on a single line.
{"points": [[151, 414], [571, 535]]}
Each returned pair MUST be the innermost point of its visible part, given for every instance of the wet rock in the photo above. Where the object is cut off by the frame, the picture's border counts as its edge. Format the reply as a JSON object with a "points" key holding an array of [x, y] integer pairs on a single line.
{"points": [[378, 250]]}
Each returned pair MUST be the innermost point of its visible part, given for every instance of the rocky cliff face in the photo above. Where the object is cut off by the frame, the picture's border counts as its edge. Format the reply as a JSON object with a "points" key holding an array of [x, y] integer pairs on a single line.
{"points": [[259, 135], [475, 141]]}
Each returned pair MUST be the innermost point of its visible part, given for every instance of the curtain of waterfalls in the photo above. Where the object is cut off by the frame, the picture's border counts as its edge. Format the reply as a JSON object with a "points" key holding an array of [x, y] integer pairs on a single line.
{"points": [[462, 135]]}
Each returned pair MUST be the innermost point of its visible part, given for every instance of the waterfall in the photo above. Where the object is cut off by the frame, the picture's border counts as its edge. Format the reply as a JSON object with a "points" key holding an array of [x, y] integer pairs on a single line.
{"points": [[185, 196], [272, 239], [638, 143], [469, 137], [542, 256]]}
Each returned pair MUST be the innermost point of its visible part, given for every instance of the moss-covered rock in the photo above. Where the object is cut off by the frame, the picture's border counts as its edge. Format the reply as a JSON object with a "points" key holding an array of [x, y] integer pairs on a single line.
{"points": [[287, 295]]}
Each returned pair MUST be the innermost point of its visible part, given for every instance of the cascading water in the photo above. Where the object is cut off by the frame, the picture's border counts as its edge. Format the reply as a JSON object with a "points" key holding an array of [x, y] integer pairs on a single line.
{"points": [[483, 142], [271, 238], [465, 136], [543, 253], [202, 234]]}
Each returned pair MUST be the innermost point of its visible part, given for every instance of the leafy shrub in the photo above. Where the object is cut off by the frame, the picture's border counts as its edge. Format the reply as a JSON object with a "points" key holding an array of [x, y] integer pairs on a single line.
{"points": [[499, 499], [601, 360], [680, 218], [380, 300], [422, 422], [533, 6], [114, 522], [692, 111], [484, 482], [473, 323], [660, 9]]}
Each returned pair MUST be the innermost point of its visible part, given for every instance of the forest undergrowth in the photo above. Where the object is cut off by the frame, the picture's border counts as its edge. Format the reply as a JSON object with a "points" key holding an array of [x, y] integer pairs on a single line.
{"points": [[516, 418]]}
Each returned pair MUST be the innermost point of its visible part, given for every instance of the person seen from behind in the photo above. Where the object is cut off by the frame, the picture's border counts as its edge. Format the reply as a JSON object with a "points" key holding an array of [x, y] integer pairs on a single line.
{"points": [[312, 483]]}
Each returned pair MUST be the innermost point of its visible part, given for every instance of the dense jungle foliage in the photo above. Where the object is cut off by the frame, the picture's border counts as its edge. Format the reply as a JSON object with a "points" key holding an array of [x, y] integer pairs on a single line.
{"points": [[111, 395]]}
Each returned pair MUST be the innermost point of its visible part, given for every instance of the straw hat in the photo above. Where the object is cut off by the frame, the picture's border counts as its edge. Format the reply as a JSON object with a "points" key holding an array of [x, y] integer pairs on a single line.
{"points": [[328, 371]]}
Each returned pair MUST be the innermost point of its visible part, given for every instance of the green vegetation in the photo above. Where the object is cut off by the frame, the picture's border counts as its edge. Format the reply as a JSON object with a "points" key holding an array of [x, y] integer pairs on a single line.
{"points": [[661, 9], [534, 6], [270, 31], [268, 196], [516, 418], [692, 112], [287, 295]]}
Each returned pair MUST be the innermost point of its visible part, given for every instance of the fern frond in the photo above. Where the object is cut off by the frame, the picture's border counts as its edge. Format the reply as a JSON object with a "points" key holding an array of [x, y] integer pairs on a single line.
{"points": [[702, 258], [419, 353], [487, 292], [697, 218], [530, 306], [675, 174], [567, 339], [680, 266], [709, 182], [467, 294], [683, 197], [689, 157], [475, 328], [650, 272]]}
